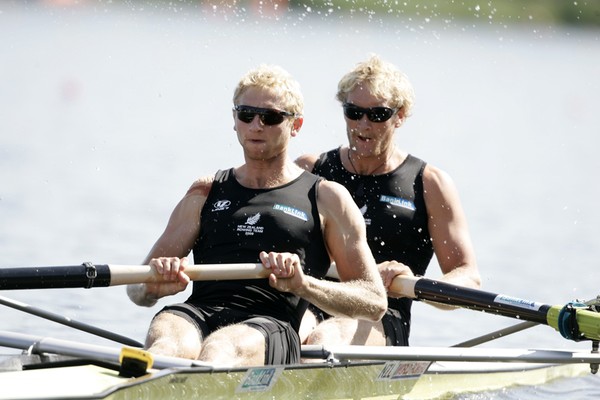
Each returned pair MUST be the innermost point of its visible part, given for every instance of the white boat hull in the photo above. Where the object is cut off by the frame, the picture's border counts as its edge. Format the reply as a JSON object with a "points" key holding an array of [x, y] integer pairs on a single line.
{"points": [[374, 380]]}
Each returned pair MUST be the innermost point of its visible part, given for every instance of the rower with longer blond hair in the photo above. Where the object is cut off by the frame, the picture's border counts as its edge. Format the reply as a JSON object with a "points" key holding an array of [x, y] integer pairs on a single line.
{"points": [[411, 209]]}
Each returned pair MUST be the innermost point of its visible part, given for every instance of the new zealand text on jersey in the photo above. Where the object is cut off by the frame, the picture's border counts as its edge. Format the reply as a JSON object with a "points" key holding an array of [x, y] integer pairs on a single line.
{"points": [[250, 227]]}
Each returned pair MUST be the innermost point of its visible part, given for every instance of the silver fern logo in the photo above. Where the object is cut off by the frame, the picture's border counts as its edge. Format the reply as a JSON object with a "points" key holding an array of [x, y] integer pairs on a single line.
{"points": [[250, 228], [253, 219]]}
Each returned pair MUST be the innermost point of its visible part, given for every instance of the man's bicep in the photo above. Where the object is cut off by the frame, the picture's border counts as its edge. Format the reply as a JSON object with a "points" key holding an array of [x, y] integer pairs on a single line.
{"points": [[345, 233]]}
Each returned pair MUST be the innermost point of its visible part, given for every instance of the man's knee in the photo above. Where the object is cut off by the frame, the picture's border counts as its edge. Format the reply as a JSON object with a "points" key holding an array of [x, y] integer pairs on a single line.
{"points": [[347, 331], [234, 345], [331, 331], [172, 335], [307, 326]]}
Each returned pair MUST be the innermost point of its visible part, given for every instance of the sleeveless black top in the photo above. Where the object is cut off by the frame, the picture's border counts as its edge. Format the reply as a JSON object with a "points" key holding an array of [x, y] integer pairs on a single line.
{"points": [[238, 222], [394, 210]]}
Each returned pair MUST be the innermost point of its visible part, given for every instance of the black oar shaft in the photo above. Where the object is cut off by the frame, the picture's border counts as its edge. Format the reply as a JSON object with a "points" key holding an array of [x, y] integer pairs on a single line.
{"points": [[441, 292], [77, 276], [496, 334], [69, 322]]}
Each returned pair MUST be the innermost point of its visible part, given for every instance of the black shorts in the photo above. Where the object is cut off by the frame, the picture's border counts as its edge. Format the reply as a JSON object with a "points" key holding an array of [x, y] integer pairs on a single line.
{"points": [[282, 343], [395, 329]]}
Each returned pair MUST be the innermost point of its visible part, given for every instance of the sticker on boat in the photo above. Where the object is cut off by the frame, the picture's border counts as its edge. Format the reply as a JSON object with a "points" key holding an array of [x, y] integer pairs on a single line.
{"points": [[393, 370], [259, 379]]}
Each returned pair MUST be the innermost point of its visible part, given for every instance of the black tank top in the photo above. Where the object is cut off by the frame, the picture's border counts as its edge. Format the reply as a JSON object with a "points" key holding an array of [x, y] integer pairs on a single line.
{"points": [[394, 210], [238, 222]]}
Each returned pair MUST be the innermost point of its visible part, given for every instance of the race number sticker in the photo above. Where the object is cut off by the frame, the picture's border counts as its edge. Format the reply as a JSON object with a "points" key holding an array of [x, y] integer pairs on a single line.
{"points": [[515, 302], [259, 379], [393, 370]]}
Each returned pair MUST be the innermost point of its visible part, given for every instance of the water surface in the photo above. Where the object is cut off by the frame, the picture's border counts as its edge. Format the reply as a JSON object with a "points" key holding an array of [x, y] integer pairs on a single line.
{"points": [[107, 115]]}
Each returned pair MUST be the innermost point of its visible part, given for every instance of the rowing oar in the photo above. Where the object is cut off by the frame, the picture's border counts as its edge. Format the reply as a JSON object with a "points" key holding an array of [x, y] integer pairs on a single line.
{"points": [[488, 337], [575, 321], [40, 345], [69, 322], [88, 275], [412, 353]]}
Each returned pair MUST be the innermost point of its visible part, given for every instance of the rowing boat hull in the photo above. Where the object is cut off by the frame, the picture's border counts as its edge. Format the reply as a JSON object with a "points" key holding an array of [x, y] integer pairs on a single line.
{"points": [[300, 382], [447, 378], [373, 380]]}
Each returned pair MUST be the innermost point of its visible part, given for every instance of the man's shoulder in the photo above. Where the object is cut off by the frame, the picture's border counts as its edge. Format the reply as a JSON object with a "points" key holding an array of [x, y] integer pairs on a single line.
{"points": [[306, 161], [201, 186], [333, 192], [309, 161]]}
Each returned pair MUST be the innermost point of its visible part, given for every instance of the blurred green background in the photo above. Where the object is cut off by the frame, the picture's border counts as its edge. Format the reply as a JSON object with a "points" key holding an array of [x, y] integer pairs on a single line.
{"points": [[486, 11], [585, 13]]}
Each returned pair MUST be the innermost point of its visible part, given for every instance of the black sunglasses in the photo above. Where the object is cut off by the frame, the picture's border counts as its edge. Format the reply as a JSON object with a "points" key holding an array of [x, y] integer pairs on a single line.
{"points": [[374, 114], [267, 116]]}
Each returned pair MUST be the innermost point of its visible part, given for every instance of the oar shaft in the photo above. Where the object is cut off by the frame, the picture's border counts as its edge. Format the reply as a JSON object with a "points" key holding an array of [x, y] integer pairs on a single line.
{"points": [[474, 299], [88, 275], [441, 292], [40, 345], [53, 277], [587, 322], [412, 353], [69, 322], [496, 334]]}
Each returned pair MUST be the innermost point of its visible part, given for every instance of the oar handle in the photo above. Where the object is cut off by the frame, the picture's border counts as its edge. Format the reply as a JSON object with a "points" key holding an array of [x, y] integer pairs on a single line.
{"points": [[401, 286], [128, 274], [404, 286]]}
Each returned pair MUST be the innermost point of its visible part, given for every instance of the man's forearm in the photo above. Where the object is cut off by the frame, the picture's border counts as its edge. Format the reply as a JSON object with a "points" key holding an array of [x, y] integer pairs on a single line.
{"points": [[354, 299]]}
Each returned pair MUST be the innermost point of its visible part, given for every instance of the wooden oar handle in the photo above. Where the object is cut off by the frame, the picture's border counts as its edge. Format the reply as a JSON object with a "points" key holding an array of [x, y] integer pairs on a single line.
{"points": [[404, 286], [128, 274]]}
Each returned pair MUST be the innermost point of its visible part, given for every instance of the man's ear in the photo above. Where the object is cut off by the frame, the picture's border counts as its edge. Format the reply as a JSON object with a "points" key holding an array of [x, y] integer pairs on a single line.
{"points": [[400, 119], [297, 125]]}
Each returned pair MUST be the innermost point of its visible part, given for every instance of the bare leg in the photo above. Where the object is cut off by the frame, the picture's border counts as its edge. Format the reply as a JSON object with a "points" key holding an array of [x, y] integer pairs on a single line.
{"points": [[234, 345], [308, 324], [346, 331], [171, 335]]}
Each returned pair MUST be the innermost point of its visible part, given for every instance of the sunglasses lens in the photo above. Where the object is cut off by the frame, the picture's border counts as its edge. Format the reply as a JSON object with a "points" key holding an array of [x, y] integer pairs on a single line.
{"points": [[380, 114], [267, 116], [374, 114], [246, 116], [271, 118], [353, 113]]}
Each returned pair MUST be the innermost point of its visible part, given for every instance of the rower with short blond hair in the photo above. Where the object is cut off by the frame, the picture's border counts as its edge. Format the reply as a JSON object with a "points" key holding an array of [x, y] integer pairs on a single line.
{"points": [[267, 210]]}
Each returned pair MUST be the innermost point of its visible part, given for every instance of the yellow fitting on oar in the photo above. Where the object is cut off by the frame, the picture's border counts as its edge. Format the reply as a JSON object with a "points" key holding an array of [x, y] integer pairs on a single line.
{"points": [[588, 322], [134, 362]]}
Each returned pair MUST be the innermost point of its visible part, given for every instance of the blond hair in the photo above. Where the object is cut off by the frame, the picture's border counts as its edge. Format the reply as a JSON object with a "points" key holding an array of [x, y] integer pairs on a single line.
{"points": [[383, 79], [276, 79]]}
